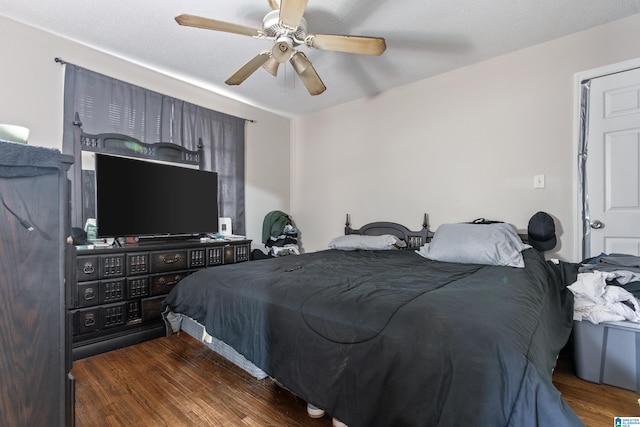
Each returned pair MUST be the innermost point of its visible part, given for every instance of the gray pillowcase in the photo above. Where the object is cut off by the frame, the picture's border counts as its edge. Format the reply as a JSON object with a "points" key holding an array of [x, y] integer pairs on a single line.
{"points": [[488, 244], [352, 242]]}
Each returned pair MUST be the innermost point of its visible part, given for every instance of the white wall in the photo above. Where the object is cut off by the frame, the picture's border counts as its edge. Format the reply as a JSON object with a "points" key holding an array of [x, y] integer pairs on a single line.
{"points": [[31, 94], [458, 146]]}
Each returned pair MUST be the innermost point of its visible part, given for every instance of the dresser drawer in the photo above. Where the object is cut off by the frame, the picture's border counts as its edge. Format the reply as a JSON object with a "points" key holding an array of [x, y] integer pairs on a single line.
{"points": [[229, 254], [242, 253], [106, 291], [163, 283], [151, 308], [112, 266], [236, 253], [197, 258], [87, 268], [113, 315], [137, 263], [168, 261], [87, 320], [215, 255], [98, 318], [134, 312], [88, 294], [137, 287], [112, 291], [99, 267]]}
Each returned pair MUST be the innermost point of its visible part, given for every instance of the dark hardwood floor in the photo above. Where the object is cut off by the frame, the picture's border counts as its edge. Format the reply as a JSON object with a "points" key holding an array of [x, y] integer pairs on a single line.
{"points": [[176, 381], [596, 404]]}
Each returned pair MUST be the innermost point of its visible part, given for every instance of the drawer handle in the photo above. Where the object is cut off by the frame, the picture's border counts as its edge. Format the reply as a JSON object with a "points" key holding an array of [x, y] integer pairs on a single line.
{"points": [[173, 260], [88, 268], [176, 279], [89, 321], [89, 294]]}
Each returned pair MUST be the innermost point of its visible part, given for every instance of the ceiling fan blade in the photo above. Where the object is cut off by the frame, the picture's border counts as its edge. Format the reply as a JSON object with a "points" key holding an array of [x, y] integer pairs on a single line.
{"points": [[349, 44], [307, 73], [249, 68], [212, 24], [274, 4], [291, 12]]}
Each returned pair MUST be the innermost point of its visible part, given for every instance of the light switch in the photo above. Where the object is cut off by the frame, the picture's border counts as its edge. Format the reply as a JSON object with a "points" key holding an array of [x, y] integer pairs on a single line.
{"points": [[538, 181]]}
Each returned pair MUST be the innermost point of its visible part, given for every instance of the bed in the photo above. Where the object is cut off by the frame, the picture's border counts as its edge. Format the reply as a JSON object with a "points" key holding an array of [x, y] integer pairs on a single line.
{"points": [[392, 327]]}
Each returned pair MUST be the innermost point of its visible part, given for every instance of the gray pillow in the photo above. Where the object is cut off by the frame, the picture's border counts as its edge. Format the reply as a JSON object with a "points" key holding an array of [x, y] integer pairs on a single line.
{"points": [[489, 244], [352, 242]]}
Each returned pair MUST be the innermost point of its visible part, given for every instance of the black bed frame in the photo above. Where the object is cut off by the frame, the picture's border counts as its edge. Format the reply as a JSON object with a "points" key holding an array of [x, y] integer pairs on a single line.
{"points": [[414, 239]]}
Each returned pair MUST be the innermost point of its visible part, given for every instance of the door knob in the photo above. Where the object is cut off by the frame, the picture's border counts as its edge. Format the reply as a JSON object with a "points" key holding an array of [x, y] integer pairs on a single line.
{"points": [[596, 224]]}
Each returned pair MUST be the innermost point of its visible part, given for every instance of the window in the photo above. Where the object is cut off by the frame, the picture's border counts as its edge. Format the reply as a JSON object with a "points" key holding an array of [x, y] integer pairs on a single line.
{"points": [[104, 104]]}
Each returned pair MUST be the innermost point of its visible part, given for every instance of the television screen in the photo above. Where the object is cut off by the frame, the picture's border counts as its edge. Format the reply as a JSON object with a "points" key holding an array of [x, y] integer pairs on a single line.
{"points": [[142, 198]]}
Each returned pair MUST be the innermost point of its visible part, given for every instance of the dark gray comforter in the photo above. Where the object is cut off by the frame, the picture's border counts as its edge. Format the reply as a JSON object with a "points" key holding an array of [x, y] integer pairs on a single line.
{"points": [[390, 338]]}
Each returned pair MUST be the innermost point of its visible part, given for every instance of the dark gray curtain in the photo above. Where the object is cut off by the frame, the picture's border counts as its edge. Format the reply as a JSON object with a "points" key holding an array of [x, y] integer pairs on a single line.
{"points": [[108, 105]]}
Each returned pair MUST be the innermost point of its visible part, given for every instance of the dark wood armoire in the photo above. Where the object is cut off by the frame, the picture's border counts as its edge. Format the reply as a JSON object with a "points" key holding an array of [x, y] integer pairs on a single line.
{"points": [[36, 387]]}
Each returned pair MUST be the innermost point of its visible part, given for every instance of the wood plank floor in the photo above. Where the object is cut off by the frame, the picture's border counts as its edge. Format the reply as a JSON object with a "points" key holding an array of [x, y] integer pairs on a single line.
{"points": [[176, 381], [596, 404]]}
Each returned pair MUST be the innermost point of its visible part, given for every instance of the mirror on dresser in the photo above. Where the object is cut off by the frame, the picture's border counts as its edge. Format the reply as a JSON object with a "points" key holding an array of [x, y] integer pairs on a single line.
{"points": [[87, 145]]}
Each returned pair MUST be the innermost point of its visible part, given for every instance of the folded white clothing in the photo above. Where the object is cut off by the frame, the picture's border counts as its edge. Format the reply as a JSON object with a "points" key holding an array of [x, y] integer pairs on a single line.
{"points": [[598, 302], [285, 250]]}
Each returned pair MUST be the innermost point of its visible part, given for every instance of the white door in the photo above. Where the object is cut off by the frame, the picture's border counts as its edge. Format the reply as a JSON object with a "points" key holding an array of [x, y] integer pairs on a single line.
{"points": [[613, 164]]}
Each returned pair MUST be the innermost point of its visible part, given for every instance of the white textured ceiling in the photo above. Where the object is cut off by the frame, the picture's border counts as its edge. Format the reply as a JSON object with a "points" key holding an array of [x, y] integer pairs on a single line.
{"points": [[424, 38]]}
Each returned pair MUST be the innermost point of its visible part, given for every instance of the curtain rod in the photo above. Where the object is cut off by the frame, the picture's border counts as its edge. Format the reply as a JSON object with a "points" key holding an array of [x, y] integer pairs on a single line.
{"points": [[63, 62]]}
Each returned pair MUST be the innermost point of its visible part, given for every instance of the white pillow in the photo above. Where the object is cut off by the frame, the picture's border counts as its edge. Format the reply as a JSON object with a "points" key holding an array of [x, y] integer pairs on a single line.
{"points": [[489, 244], [352, 242]]}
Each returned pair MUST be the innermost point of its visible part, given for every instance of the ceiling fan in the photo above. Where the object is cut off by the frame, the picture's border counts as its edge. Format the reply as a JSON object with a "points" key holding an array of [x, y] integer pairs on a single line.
{"points": [[286, 27]]}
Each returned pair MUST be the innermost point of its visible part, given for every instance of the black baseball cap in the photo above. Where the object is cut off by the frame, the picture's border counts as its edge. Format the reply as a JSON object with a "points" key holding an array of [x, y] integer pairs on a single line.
{"points": [[542, 232]]}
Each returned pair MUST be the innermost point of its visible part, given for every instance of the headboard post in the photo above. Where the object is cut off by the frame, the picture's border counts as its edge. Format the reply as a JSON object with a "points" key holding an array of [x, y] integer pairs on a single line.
{"points": [[200, 154]]}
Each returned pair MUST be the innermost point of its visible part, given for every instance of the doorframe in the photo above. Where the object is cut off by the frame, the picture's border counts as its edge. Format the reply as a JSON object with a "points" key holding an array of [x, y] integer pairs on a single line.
{"points": [[578, 78]]}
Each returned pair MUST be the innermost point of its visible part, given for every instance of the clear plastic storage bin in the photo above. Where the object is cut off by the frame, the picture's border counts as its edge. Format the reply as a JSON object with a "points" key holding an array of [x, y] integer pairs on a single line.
{"points": [[608, 353]]}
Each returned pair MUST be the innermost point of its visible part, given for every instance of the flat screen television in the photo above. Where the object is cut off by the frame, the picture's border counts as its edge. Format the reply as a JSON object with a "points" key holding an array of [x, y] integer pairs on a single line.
{"points": [[143, 198]]}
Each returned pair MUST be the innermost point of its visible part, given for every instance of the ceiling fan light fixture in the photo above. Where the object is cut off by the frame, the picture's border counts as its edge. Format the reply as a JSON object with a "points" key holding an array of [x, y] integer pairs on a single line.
{"points": [[282, 49], [271, 66], [300, 62], [307, 73]]}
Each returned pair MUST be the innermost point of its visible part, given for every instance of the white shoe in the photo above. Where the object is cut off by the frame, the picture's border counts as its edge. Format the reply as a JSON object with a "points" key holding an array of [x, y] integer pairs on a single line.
{"points": [[314, 412], [337, 423]]}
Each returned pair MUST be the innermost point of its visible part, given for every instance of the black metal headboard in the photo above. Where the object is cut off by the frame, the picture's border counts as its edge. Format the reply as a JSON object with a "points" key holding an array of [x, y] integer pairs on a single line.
{"points": [[413, 239]]}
